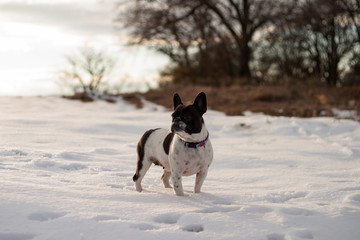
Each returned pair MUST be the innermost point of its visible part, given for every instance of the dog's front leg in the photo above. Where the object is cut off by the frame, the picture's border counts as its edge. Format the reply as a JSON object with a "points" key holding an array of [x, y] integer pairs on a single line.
{"points": [[176, 179], [165, 178], [200, 178]]}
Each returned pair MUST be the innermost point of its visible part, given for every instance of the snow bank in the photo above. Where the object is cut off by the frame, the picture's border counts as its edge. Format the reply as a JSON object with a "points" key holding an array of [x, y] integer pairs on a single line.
{"points": [[66, 173]]}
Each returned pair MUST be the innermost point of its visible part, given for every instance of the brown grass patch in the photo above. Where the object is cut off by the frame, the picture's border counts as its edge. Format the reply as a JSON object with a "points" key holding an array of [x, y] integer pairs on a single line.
{"points": [[299, 101]]}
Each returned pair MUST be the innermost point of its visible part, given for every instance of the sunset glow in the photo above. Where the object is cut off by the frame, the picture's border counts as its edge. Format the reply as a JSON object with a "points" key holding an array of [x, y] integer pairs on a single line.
{"points": [[36, 35]]}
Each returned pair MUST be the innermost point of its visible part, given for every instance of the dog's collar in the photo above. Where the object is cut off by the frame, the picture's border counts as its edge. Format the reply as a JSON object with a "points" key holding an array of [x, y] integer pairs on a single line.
{"points": [[195, 144]]}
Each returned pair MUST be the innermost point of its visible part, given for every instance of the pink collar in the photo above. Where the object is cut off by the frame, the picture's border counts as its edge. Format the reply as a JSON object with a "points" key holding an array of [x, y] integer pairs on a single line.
{"points": [[195, 144]]}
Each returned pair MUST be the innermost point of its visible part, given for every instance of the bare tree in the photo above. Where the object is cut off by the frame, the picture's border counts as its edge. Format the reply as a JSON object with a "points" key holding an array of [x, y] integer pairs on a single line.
{"points": [[87, 70], [314, 39], [335, 33], [209, 38], [159, 23], [352, 8], [181, 29], [242, 18]]}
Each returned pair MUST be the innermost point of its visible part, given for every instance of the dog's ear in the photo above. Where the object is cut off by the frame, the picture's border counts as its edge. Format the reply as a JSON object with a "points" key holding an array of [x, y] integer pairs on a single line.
{"points": [[200, 103], [177, 100]]}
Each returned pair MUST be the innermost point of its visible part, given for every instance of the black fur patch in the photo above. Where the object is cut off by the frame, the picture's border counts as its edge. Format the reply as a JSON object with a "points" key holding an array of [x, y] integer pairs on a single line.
{"points": [[156, 162], [167, 142], [190, 116], [140, 151]]}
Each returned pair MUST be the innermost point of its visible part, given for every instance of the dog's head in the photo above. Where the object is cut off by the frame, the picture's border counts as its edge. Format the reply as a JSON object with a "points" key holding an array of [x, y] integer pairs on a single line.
{"points": [[188, 120]]}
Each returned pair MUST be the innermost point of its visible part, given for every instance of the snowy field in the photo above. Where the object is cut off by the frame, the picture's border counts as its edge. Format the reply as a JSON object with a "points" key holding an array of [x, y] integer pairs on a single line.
{"points": [[66, 172]]}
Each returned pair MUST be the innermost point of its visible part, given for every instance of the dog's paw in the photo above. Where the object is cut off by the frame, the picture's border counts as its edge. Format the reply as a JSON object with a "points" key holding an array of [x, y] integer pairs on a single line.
{"points": [[138, 187], [181, 194]]}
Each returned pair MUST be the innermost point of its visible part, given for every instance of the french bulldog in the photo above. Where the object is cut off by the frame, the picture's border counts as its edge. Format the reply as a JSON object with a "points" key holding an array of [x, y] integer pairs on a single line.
{"points": [[183, 151]]}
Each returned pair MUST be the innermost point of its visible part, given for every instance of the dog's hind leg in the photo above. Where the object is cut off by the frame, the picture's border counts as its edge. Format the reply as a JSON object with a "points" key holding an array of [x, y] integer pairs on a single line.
{"points": [[141, 170], [165, 178], [143, 161]]}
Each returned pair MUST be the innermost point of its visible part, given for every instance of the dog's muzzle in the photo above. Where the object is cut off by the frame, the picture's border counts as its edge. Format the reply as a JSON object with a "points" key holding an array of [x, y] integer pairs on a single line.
{"points": [[177, 125]]}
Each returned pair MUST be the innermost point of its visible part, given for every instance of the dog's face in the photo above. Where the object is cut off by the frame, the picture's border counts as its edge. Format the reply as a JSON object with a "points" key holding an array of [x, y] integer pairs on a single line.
{"points": [[188, 120]]}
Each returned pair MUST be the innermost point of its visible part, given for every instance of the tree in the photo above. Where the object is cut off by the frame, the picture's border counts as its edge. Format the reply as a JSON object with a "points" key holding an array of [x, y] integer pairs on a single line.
{"points": [[217, 39], [284, 54], [334, 31], [159, 23], [185, 31], [189, 30], [314, 39], [87, 70], [242, 18], [352, 9]]}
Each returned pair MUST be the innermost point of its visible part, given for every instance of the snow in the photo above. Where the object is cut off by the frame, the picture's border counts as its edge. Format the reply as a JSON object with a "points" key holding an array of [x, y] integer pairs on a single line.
{"points": [[66, 172]]}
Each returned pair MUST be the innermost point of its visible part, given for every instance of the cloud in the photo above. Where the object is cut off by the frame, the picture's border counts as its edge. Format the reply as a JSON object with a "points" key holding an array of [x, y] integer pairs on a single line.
{"points": [[80, 17]]}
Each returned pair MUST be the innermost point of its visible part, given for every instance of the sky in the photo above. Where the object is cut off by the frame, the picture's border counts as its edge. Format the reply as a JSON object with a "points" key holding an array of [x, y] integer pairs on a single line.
{"points": [[36, 35]]}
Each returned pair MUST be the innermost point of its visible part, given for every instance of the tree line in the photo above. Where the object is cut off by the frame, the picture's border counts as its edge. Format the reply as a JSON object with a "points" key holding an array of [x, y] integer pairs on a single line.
{"points": [[253, 41]]}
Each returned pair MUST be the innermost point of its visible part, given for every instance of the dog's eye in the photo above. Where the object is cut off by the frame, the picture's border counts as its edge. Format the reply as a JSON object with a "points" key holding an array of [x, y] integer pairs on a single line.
{"points": [[186, 118], [175, 114]]}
